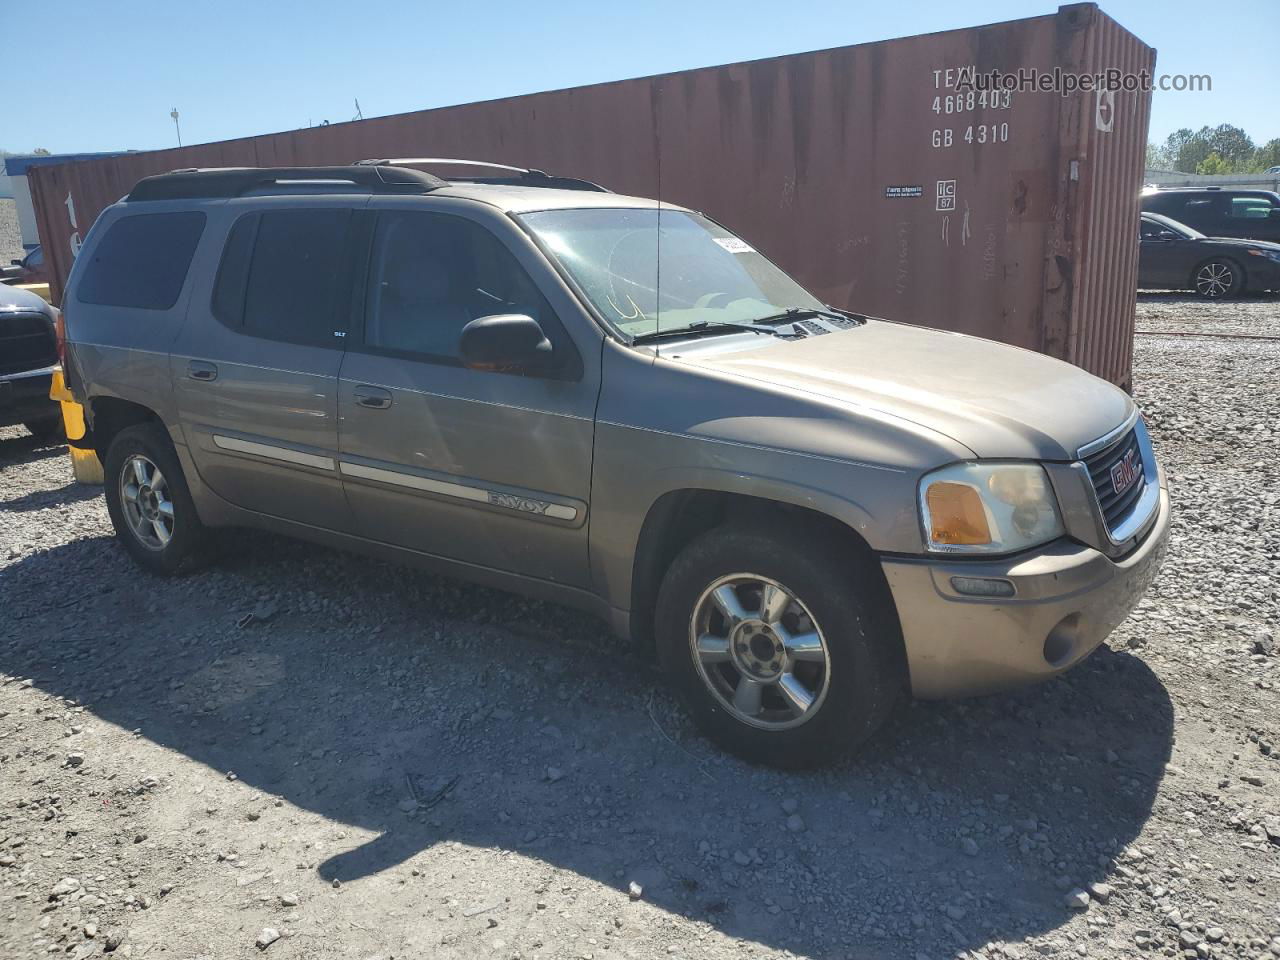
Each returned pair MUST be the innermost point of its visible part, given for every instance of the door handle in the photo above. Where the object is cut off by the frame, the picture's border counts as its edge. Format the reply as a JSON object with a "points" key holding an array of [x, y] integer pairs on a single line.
{"points": [[375, 398], [202, 370]]}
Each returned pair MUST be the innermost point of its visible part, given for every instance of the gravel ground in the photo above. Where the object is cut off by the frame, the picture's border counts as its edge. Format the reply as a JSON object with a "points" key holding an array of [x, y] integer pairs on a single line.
{"points": [[10, 235], [379, 763]]}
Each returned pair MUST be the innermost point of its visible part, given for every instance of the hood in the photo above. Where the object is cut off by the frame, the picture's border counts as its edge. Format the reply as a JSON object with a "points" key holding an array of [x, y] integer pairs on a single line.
{"points": [[997, 400], [1239, 242], [13, 298]]}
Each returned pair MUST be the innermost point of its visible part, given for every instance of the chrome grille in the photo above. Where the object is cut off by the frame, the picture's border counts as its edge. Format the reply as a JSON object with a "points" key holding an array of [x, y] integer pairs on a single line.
{"points": [[1117, 507], [26, 342]]}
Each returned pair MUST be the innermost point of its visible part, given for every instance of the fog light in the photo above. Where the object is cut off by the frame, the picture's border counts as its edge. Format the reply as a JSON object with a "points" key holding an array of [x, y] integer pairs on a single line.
{"points": [[1060, 644], [982, 587]]}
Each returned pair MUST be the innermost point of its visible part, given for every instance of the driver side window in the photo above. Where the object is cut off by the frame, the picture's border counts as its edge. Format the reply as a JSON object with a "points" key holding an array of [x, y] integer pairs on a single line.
{"points": [[1149, 231], [431, 274]]}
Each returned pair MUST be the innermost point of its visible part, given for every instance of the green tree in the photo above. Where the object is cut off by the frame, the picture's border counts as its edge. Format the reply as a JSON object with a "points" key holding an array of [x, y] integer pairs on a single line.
{"points": [[1233, 145], [1213, 165], [1267, 155]]}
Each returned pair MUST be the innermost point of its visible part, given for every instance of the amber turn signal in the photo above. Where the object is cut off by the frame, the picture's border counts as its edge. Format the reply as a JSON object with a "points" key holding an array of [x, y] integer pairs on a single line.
{"points": [[956, 515]]}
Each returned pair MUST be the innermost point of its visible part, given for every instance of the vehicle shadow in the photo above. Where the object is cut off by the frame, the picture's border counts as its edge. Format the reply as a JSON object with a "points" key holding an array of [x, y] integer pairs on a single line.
{"points": [[73, 492], [19, 450], [361, 688]]}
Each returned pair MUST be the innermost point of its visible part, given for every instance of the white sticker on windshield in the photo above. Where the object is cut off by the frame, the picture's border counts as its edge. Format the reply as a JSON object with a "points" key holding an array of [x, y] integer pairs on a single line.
{"points": [[734, 245]]}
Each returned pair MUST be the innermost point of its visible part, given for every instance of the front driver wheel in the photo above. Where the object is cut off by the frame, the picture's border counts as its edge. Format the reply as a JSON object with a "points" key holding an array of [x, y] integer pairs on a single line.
{"points": [[782, 644], [1218, 280], [149, 503]]}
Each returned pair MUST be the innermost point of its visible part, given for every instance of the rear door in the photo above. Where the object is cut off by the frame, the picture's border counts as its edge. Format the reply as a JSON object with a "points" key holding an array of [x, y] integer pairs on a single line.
{"points": [[255, 369], [485, 467]]}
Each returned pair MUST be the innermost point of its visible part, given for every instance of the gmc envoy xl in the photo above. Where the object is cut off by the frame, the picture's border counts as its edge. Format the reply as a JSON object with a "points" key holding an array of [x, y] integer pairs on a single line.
{"points": [[532, 382]]}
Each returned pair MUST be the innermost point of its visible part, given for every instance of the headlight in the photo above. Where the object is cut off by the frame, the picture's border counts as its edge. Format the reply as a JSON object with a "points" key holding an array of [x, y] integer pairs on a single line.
{"points": [[988, 508]]}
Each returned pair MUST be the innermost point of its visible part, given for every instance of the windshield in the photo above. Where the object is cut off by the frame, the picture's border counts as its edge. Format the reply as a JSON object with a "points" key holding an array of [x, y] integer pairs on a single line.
{"points": [[651, 270]]}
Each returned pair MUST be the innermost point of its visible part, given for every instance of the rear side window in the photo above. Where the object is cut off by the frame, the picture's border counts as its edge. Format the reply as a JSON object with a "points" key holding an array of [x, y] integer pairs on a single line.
{"points": [[296, 277], [1250, 208], [233, 272], [142, 261], [282, 275]]}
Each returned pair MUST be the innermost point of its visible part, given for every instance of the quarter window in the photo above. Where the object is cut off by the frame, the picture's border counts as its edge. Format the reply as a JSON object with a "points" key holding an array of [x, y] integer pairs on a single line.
{"points": [[142, 261], [432, 274]]}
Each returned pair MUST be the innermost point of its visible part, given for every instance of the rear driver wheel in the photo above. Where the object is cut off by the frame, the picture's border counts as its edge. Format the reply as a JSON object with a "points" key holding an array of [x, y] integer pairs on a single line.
{"points": [[782, 644], [149, 503]]}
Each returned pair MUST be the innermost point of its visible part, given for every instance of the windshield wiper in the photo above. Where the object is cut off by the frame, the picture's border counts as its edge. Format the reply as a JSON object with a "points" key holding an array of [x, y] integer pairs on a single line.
{"points": [[796, 313], [703, 327]]}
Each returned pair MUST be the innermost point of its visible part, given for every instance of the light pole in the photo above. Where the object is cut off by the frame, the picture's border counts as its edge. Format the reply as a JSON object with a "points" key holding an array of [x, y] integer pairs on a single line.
{"points": [[174, 113]]}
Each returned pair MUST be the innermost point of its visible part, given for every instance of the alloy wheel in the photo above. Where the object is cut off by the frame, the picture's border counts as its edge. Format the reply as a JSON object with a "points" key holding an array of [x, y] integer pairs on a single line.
{"points": [[144, 495], [760, 651], [1213, 280]]}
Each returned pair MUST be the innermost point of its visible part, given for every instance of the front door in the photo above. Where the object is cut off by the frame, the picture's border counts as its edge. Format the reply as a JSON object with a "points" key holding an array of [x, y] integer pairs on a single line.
{"points": [[486, 467], [255, 368], [1162, 256]]}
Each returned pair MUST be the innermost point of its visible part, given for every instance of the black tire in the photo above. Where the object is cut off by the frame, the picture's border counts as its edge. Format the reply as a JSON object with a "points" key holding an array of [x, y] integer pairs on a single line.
{"points": [[187, 544], [844, 591], [1218, 279], [48, 431]]}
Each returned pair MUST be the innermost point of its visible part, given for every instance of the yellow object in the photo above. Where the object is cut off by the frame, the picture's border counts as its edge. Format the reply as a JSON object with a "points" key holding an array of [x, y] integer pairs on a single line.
{"points": [[85, 466], [39, 289]]}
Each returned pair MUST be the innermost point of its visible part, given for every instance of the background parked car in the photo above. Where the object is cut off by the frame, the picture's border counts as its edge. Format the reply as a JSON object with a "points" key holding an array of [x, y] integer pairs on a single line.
{"points": [[1215, 212], [28, 357], [29, 269], [1173, 256]]}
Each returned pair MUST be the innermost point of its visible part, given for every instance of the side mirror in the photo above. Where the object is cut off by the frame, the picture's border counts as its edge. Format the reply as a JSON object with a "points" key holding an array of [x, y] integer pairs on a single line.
{"points": [[505, 342], [1167, 235], [1274, 213]]}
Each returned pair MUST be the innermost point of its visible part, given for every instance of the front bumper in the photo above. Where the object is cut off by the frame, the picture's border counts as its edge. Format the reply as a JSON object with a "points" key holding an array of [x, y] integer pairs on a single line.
{"points": [[1068, 598], [24, 397]]}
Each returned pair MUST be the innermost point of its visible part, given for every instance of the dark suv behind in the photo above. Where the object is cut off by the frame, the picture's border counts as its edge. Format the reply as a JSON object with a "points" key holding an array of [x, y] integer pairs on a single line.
{"points": [[1215, 212], [28, 355]]}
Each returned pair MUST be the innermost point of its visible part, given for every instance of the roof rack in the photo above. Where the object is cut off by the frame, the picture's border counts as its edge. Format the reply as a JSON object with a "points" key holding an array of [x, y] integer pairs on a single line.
{"points": [[216, 182], [520, 176]]}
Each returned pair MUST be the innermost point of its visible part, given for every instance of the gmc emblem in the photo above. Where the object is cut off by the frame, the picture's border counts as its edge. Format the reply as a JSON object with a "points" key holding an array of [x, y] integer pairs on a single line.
{"points": [[1126, 472]]}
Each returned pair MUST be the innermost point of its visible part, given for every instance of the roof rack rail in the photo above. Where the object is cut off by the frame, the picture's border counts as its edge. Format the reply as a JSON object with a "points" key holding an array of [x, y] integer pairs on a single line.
{"points": [[218, 182], [522, 176]]}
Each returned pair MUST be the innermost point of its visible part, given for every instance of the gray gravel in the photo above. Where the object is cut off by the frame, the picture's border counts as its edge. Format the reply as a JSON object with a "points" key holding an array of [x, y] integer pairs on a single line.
{"points": [[381, 763], [10, 235]]}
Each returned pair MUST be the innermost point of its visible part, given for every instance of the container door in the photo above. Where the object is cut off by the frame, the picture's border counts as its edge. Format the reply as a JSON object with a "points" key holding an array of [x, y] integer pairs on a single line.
{"points": [[255, 369], [485, 467]]}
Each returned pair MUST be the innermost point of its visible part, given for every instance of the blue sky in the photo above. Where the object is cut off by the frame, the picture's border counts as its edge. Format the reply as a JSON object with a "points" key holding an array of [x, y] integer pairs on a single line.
{"points": [[87, 75]]}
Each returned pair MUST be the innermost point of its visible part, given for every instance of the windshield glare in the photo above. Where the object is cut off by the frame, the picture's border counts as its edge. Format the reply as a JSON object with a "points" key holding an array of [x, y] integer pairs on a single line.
{"points": [[651, 270]]}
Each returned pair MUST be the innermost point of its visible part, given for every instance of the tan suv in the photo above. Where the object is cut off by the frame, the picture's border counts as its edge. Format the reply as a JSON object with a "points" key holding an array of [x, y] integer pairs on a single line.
{"points": [[534, 383]]}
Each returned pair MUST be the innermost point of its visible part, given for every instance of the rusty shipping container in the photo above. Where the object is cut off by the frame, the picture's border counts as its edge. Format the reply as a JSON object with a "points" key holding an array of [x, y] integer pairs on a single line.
{"points": [[869, 172]]}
